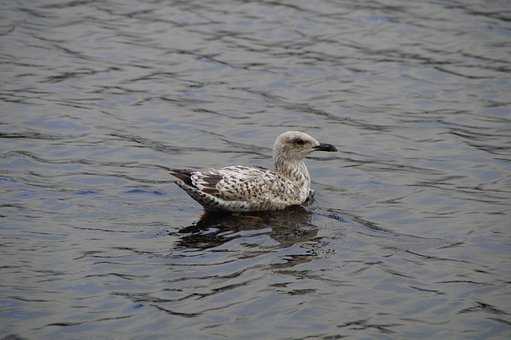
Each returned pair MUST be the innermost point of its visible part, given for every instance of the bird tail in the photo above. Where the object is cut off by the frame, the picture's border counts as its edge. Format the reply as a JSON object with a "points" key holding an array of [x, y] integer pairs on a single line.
{"points": [[183, 174]]}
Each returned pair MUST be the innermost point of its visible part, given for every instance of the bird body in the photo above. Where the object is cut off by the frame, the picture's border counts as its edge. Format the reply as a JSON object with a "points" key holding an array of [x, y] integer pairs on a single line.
{"points": [[242, 189]]}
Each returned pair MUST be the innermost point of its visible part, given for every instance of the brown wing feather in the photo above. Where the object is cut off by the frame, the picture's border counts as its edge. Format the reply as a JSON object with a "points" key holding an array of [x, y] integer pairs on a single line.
{"points": [[209, 182], [205, 181]]}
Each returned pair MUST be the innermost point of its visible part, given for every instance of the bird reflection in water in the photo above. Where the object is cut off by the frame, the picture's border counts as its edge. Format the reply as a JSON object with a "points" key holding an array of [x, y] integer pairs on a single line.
{"points": [[287, 227]]}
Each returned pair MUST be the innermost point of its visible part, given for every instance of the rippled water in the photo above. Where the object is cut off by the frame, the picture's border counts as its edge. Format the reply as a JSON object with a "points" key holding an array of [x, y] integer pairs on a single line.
{"points": [[409, 235]]}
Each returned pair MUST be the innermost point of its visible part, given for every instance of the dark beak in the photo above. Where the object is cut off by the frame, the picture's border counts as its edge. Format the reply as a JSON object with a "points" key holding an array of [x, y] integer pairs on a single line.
{"points": [[325, 147]]}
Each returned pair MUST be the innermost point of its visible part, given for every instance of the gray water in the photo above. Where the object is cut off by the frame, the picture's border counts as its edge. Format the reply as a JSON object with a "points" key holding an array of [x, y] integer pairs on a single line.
{"points": [[409, 234]]}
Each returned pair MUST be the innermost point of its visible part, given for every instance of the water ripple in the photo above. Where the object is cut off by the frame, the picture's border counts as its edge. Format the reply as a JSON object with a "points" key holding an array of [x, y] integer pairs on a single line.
{"points": [[407, 235]]}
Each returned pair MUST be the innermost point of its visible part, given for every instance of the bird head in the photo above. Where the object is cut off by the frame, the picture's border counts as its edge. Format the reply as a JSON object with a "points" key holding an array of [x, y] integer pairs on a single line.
{"points": [[296, 145]]}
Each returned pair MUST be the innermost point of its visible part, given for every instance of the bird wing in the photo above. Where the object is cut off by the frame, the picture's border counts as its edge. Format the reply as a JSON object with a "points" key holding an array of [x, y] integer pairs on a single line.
{"points": [[240, 183], [234, 183]]}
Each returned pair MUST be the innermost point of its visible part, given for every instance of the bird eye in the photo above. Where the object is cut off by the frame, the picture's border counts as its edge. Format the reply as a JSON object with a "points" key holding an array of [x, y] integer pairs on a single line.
{"points": [[299, 141]]}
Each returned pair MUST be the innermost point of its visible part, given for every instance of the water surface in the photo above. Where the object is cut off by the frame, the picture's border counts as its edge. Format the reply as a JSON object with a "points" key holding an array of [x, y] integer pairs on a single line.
{"points": [[409, 234]]}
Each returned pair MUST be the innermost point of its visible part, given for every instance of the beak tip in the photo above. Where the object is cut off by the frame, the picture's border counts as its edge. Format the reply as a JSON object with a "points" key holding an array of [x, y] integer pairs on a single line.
{"points": [[326, 147]]}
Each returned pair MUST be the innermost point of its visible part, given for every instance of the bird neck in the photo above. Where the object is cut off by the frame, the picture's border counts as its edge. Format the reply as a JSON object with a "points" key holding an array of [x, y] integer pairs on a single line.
{"points": [[292, 169]]}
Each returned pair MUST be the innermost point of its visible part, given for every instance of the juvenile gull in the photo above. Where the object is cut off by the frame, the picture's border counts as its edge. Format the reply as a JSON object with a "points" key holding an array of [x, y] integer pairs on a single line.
{"points": [[240, 188]]}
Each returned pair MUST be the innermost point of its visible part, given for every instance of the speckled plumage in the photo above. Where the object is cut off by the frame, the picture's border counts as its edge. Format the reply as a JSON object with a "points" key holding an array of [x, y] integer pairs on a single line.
{"points": [[240, 188]]}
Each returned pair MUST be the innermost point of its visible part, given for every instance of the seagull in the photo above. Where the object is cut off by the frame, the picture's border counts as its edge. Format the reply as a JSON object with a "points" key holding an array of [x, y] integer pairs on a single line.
{"points": [[244, 189]]}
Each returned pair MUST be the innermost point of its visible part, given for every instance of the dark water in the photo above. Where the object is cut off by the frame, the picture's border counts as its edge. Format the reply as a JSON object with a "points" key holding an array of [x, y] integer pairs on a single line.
{"points": [[410, 232]]}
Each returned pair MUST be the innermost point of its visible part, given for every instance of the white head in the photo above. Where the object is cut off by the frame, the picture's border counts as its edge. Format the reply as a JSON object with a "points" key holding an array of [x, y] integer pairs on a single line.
{"points": [[296, 145]]}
